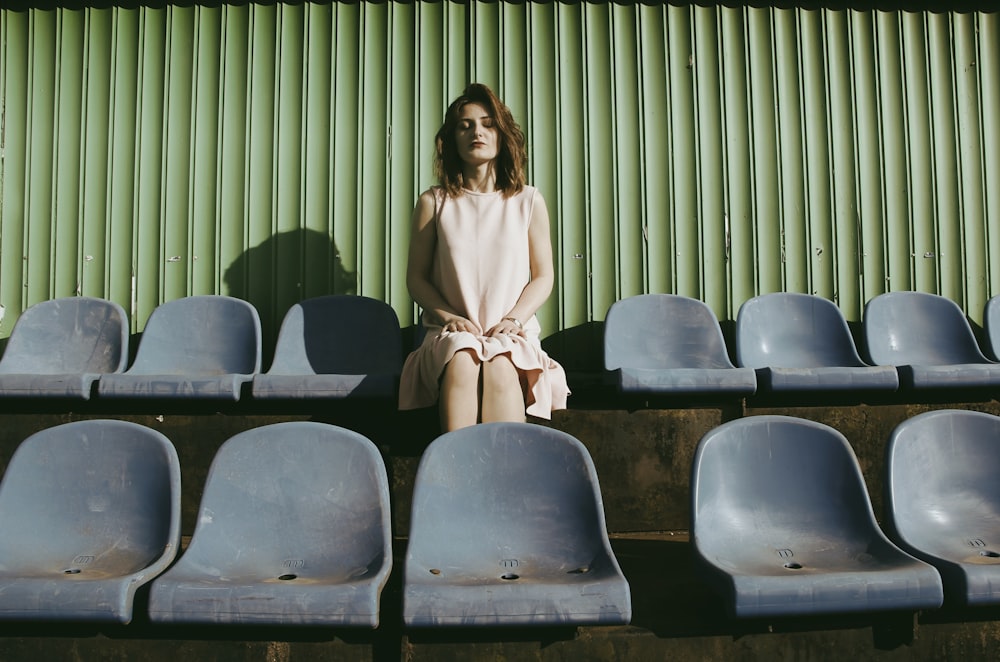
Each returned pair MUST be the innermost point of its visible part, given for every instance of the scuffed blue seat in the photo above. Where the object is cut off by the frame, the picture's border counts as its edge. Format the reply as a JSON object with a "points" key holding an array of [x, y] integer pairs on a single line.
{"points": [[89, 512], [199, 347], [507, 528], [782, 522], [929, 340], [991, 327], [943, 499], [801, 342], [59, 348], [293, 529], [670, 344], [335, 346]]}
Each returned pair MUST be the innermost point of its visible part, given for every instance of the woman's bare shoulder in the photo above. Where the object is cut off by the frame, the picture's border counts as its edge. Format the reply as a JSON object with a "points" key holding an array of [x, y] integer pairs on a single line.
{"points": [[430, 198], [425, 210]]}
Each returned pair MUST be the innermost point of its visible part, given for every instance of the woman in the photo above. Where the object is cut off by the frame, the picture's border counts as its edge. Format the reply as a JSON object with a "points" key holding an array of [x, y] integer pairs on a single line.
{"points": [[480, 266]]}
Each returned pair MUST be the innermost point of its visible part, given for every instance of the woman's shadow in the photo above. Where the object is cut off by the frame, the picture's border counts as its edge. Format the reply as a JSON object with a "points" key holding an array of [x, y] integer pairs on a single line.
{"points": [[283, 270]]}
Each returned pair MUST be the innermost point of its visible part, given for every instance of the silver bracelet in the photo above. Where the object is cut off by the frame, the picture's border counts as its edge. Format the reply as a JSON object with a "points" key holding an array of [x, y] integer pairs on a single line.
{"points": [[515, 321]]}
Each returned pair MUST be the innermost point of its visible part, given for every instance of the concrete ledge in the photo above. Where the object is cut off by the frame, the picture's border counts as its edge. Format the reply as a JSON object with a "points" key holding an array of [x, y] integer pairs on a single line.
{"points": [[643, 457]]}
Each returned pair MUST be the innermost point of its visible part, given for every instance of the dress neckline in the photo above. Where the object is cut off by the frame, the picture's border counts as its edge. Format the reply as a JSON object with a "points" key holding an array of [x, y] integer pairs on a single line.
{"points": [[466, 191]]}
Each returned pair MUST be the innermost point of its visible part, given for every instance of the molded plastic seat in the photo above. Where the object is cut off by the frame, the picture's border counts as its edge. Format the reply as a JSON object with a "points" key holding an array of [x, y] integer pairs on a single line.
{"points": [[801, 342], [59, 348], [991, 327], [670, 344], [89, 512], [943, 499], [507, 528], [204, 346], [293, 529], [929, 340], [782, 520], [335, 346]]}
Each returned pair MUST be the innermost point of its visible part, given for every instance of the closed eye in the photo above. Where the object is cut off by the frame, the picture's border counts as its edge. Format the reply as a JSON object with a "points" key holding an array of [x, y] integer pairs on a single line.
{"points": [[465, 125]]}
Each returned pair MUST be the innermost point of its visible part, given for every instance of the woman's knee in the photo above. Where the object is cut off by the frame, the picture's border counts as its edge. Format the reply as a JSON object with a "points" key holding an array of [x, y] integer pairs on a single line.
{"points": [[500, 374], [463, 368]]}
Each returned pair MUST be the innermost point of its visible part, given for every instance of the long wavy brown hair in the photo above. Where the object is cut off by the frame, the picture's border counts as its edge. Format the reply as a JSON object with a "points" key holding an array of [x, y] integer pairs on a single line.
{"points": [[512, 156]]}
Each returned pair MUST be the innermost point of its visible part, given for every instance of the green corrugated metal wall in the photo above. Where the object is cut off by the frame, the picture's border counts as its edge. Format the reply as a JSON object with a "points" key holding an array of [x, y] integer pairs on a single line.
{"points": [[274, 152]]}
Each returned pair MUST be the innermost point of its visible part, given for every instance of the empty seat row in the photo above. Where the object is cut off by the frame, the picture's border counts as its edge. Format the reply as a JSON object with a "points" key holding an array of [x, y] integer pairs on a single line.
{"points": [[783, 525], [338, 346], [507, 528], [670, 344], [507, 525], [203, 347]]}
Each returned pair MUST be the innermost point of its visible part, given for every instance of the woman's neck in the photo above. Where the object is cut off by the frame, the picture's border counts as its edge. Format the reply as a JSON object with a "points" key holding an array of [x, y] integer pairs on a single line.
{"points": [[480, 178]]}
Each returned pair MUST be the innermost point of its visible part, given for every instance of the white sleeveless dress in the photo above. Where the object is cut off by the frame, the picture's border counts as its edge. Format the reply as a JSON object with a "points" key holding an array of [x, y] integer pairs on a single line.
{"points": [[481, 266]]}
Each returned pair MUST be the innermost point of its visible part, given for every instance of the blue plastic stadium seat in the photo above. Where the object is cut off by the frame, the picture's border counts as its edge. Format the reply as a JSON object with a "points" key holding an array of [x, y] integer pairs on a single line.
{"points": [[59, 348], [336, 346], [670, 344], [943, 499], [801, 342], [204, 346], [507, 528], [991, 327], [929, 340], [89, 512], [293, 529], [782, 521]]}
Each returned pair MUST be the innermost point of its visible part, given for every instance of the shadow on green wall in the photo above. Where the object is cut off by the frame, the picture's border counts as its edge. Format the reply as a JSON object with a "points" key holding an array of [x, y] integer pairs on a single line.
{"points": [[284, 269]]}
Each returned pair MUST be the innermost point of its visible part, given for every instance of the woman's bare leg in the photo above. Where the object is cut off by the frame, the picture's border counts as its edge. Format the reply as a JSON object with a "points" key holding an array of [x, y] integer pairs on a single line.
{"points": [[459, 401], [503, 396]]}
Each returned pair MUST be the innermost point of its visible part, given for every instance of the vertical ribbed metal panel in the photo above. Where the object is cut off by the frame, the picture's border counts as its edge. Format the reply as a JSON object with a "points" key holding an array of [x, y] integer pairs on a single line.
{"points": [[274, 151]]}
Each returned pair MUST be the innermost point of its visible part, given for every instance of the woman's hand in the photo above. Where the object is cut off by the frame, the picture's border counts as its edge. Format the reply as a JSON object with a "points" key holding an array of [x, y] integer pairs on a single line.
{"points": [[455, 323], [508, 326]]}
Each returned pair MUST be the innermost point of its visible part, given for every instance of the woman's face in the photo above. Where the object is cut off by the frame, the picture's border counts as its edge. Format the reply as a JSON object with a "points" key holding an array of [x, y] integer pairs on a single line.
{"points": [[476, 135]]}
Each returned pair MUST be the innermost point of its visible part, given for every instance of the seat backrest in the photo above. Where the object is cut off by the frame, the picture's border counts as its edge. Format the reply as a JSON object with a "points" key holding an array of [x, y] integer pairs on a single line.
{"points": [[339, 334], [663, 331], [291, 493], [941, 472], [95, 495], [991, 327], [71, 335], [776, 476], [917, 328], [793, 330], [200, 335], [497, 491]]}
